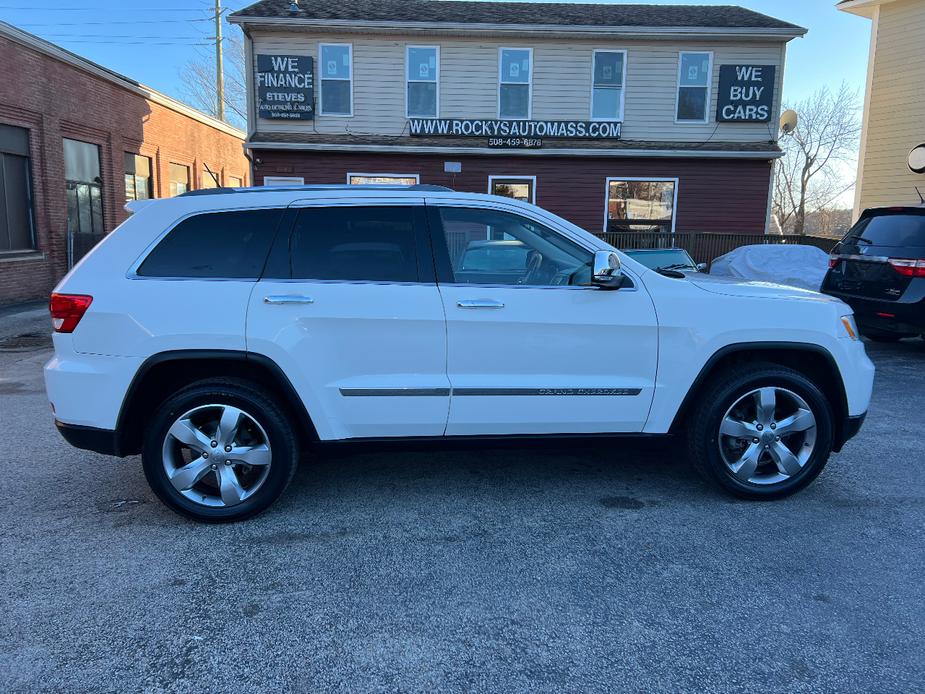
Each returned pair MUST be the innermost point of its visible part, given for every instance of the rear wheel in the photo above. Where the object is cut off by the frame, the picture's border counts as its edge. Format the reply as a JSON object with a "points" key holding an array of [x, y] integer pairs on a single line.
{"points": [[761, 433], [220, 450]]}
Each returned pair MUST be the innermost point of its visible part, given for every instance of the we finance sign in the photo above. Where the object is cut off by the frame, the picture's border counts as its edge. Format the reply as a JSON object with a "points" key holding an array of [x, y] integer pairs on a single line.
{"points": [[286, 87]]}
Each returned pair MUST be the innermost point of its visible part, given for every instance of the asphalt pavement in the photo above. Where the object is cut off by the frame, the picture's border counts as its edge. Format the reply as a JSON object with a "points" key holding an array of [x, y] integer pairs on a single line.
{"points": [[593, 568]]}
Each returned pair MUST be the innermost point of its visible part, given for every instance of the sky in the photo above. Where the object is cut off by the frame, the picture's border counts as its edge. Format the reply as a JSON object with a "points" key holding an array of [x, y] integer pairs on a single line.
{"points": [[151, 40]]}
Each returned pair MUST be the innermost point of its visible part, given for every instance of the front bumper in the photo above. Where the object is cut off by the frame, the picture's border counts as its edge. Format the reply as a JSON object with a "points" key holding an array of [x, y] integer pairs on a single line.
{"points": [[849, 429]]}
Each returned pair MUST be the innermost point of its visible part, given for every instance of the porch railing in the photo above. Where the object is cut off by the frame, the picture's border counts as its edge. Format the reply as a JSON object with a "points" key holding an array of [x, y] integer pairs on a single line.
{"points": [[705, 247]]}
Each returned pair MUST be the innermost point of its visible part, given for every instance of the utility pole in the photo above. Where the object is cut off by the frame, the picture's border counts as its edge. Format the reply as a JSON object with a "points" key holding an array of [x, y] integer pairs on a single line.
{"points": [[219, 64]]}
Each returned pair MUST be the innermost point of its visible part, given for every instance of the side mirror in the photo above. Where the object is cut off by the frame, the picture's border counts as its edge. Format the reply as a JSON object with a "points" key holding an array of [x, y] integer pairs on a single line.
{"points": [[701, 267], [606, 272]]}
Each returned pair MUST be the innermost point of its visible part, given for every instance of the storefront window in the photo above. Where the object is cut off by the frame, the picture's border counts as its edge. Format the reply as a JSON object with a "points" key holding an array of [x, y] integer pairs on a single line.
{"points": [[521, 188], [607, 91], [694, 74], [423, 81], [383, 179], [138, 183], [641, 205], [179, 179], [16, 228], [336, 79], [514, 83], [84, 187], [210, 179]]}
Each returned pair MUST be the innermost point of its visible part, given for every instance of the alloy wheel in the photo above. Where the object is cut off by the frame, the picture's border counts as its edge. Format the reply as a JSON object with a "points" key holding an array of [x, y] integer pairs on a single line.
{"points": [[767, 436], [216, 455]]}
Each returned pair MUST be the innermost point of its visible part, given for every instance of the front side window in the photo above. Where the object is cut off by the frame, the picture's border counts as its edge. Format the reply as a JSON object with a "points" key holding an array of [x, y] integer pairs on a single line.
{"points": [[514, 82], [384, 179], [607, 90], [641, 206], [373, 244], [179, 179], [493, 247], [694, 75], [84, 187], [138, 182], [16, 221], [226, 245], [336, 66], [423, 75]]}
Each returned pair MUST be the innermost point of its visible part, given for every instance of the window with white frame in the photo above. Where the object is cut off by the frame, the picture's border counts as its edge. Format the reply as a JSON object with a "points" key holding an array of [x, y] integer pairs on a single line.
{"points": [[641, 205], [695, 71], [382, 179], [336, 68], [515, 83], [423, 76], [607, 87]]}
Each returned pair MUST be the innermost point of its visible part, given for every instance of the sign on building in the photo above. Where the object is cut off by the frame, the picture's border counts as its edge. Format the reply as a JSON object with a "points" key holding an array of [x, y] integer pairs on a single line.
{"points": [[286, 87], [528, 131], [746, 93]]}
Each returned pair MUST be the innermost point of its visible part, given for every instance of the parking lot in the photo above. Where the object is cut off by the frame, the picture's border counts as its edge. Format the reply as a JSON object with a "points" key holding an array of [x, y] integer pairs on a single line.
{"points": [[606, 567]]}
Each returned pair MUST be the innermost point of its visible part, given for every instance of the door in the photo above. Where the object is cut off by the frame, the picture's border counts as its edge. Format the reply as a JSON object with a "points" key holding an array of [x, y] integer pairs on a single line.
{"points": [[349, 308], [541, 351]]}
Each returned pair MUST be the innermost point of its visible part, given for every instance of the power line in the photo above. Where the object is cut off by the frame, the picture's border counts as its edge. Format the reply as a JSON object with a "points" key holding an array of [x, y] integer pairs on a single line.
{"points": [[104, 9]]}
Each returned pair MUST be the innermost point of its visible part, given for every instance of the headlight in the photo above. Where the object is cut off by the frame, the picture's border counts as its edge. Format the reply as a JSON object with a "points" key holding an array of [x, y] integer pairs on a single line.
{"points": [[851, 328]]}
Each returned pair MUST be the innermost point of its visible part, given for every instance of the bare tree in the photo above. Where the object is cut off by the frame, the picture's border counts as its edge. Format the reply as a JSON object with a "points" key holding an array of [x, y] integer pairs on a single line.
{"points": [[198, 81], [809, 177]]}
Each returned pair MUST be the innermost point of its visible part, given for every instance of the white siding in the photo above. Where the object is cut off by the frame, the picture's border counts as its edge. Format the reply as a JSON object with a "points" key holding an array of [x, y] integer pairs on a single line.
{"points": [[896, 111], [561, 83]]}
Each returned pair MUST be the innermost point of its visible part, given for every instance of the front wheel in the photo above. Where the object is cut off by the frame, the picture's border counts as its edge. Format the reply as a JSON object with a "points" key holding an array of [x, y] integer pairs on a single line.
{"points": [[220, 450], [761, 432]]}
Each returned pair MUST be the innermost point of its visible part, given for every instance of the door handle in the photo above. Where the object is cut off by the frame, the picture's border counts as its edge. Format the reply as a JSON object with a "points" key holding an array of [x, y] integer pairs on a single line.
{"points": [[288, 299], [479, 303]]}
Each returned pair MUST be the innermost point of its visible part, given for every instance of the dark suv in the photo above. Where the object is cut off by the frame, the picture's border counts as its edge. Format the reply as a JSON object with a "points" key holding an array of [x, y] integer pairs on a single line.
{"points": [[879, 270]]}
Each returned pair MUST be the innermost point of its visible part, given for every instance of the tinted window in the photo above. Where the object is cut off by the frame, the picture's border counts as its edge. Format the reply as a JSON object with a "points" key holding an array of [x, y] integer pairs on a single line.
{"points": [[354, 243], [219, 244], [889, 230]]}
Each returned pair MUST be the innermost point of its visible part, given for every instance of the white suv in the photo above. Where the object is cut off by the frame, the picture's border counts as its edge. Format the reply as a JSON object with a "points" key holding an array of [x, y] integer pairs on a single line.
{"points": [[223, 332]]}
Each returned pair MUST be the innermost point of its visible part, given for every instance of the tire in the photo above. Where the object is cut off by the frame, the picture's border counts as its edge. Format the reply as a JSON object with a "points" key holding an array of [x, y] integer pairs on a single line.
{"points": [[246, 469], [878, 336], [743, 440]]}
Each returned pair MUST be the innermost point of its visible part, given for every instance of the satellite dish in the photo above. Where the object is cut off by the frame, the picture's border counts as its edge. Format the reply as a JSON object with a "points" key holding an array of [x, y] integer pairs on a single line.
{"points": [[788, 121], [917, 159]]}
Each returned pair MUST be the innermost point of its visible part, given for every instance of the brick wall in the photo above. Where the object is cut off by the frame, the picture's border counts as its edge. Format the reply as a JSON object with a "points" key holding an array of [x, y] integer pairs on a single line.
{"points": [[54, 100], [714, 195]]}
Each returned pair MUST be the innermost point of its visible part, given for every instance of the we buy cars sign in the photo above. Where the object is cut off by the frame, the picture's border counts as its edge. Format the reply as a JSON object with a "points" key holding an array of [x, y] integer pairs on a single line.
{"points": [[746, 93]]}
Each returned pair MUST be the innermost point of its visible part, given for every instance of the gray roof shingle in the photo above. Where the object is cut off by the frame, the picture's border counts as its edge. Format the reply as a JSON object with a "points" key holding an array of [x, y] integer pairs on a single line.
{"points": [[514, 13]]}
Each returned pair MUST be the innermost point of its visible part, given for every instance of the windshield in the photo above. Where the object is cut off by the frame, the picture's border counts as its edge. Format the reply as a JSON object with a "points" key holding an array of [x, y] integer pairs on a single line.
{"points": [[668, 258], [888, 230]]}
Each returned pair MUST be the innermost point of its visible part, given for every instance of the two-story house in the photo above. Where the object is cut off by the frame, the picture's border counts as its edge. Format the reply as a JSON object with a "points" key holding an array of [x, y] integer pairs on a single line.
{"points": [[617, 117]]}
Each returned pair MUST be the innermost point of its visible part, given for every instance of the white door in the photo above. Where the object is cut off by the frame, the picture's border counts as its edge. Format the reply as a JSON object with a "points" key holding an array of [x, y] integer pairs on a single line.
{"points": [[532, 349], [349, 309]]}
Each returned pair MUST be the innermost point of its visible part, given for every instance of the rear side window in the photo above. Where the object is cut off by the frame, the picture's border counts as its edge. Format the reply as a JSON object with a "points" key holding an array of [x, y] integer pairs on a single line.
{"points": [[230, 245], [354, 243], [888, 230]]}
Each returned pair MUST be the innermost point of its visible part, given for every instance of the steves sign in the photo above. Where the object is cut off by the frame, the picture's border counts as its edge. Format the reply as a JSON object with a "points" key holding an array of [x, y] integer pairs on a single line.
{"points": [[521, 129], [285, 87], [746, 93]]}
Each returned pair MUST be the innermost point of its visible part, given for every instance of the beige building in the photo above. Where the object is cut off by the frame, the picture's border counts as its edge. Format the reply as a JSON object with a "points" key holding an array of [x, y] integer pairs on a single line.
{"points": [[894, 102]]}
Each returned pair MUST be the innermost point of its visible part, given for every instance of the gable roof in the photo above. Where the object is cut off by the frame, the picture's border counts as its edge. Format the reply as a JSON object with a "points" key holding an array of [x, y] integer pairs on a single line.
{"points": [[514, 14]]}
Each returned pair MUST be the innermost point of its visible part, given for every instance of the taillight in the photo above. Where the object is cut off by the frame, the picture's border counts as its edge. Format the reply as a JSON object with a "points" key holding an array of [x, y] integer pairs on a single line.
{"points": [[67, 310], [908, 267], [834, 260]]}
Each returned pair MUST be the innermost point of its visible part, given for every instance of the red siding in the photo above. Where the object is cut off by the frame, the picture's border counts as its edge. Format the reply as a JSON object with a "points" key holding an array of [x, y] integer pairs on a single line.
{"points": [[722, 195], [54, 100]]}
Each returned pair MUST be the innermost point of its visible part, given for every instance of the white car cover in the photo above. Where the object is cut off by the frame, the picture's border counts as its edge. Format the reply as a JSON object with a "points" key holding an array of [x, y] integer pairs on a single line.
{"points": [[790, 264]]}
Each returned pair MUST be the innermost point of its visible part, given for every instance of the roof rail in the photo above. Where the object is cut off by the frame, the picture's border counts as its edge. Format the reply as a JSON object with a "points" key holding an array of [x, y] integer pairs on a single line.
{"points": [[295, 189]]}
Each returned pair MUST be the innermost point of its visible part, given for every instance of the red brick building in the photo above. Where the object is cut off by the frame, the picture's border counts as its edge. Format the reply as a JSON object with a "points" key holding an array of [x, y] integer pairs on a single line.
{"points": [[76, 142]]}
